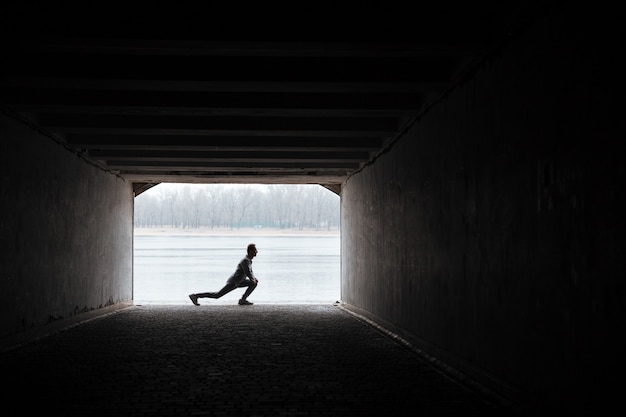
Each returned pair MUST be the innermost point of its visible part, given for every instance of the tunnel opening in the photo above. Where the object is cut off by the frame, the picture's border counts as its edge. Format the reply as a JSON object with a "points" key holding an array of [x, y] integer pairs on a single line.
{"points": [[189, 238]]}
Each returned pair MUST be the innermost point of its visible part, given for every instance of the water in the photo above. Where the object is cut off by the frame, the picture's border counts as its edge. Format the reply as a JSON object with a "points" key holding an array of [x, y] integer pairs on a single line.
{"points": [[291, 269]]}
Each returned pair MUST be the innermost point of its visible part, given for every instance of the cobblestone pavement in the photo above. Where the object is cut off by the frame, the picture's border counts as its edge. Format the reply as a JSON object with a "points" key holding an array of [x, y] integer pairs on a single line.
{"points": [[217, 360]]}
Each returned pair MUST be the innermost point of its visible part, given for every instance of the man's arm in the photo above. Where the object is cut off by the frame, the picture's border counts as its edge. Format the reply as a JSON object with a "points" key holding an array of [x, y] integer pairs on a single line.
{"points": [[247, 269]]}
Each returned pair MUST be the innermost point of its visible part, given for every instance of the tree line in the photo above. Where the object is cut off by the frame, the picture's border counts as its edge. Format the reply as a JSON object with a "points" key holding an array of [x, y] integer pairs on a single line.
{"points": [[235, 206]]}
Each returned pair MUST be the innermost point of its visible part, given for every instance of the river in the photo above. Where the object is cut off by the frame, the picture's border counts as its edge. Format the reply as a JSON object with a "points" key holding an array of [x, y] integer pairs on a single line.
{"points": [[291, 269]]}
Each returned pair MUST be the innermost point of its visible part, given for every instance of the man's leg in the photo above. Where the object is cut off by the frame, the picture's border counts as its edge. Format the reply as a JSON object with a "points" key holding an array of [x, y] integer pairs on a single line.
{"points": [[225, 290], [251, 286]]}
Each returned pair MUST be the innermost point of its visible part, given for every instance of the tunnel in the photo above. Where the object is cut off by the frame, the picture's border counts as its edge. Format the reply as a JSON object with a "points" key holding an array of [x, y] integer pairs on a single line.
{"points": [[480, 171]]}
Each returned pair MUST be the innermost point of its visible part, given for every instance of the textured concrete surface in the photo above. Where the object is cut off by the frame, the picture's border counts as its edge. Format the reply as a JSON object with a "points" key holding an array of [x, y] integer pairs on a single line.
{"points": [[261, 360]]}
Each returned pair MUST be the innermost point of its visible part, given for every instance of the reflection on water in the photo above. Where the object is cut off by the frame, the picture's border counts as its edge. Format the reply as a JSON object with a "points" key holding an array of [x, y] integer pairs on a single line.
{"points": [[291, 269]]}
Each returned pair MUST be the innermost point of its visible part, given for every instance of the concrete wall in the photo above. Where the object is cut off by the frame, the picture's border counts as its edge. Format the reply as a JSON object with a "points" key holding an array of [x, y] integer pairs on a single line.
{"points": [[492, 234], [66, 232]]}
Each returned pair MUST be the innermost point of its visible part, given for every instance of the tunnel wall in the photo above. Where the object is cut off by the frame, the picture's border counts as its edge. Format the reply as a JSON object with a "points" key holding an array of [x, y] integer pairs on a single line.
{"points": [[66, 230], [491, 234]]}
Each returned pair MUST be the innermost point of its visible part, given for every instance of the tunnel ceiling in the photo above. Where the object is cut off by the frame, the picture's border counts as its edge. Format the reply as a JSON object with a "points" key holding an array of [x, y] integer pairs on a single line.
{"points": [[184, 108]]}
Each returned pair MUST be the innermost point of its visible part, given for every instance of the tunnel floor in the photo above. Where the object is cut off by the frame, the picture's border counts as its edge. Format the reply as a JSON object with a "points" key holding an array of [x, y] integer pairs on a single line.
{"points": [[260, 360]]}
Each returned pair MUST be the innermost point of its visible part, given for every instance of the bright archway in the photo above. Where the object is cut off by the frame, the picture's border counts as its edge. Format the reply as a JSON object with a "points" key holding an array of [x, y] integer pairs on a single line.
{"points": [[189, 238]]}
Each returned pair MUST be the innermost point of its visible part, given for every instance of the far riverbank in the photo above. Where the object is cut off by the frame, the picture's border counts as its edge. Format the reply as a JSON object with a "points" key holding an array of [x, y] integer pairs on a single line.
{"points": [[224, 231]]}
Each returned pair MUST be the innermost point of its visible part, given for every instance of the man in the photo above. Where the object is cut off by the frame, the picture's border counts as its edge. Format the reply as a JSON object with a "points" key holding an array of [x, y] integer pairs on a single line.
{"points": [[242, 277]]}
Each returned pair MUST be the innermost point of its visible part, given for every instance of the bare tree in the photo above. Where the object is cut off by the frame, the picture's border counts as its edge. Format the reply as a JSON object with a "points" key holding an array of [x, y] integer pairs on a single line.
{"points": [[245, 196], [279, 205]]}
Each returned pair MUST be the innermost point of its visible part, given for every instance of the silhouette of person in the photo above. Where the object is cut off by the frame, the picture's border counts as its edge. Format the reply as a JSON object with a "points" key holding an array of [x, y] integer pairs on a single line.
{"points": [[242, 277]]}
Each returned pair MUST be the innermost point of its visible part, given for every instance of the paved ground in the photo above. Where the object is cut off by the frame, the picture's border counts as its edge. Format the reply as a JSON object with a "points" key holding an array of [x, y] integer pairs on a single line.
{"points": [[214, 360]]}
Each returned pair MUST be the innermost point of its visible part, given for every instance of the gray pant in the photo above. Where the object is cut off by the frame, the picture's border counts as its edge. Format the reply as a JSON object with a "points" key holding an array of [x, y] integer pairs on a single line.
{"points": [[229, 287]]}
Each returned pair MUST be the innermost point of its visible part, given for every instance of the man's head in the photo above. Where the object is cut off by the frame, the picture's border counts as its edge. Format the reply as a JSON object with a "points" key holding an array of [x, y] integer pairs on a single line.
{"points": [[252, 250]]}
